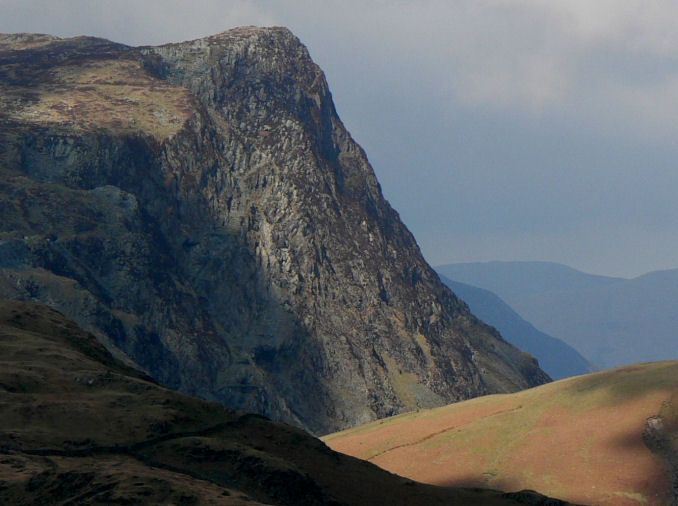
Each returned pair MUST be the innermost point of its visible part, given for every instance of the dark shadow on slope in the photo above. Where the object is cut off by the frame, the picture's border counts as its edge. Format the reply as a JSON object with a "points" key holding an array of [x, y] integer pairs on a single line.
{"points": [[103, 436]]}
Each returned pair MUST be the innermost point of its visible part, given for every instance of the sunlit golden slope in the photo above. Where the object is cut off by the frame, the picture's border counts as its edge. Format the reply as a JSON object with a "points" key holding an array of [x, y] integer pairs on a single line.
{"points": [[584, 439]]}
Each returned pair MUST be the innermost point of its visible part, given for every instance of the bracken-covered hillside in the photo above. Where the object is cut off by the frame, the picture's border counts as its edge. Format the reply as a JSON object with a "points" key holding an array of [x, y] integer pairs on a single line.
{"points": [[609, 439]]}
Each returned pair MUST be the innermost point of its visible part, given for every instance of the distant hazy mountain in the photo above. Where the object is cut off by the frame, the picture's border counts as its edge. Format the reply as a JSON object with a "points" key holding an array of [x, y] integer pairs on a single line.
{"points": [[611, 321], [555, 357], [520, 279]]}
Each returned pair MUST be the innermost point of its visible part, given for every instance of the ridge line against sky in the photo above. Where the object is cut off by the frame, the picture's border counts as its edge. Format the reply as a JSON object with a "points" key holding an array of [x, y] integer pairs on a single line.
{"points": [[500, 129]]}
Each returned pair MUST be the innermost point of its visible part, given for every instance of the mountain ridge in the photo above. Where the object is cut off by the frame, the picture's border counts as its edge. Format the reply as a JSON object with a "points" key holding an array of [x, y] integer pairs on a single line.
{"points": [[610, 321], [537, 276], [200, 207], [556, 358]]}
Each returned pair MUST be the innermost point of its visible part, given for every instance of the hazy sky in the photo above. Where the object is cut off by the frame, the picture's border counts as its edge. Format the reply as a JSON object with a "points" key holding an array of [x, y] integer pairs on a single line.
{"points": [[499, 129]]}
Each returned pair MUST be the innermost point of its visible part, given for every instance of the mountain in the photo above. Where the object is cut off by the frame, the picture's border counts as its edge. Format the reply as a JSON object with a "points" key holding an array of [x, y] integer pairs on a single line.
{"points": [[201, 209], [78, 426], [555, 357], [609, 438], [610, 321], [513, 280]]}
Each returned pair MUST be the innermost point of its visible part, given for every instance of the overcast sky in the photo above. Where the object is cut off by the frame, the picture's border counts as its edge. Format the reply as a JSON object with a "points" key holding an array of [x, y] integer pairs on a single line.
{"points": [[499, 129]]}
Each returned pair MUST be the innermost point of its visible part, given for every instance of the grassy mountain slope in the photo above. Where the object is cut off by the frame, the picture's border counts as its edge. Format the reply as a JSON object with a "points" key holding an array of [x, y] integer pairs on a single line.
{"points": [[77, 426], [607, 438]]}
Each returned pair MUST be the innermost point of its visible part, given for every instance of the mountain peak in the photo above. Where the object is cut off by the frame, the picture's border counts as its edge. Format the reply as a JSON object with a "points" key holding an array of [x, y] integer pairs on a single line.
{"points": [[25, 40], [241, 34], [201, 207]]}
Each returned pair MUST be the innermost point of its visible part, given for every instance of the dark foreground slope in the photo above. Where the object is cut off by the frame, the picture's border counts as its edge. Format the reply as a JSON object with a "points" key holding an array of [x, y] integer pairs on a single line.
{"points": [[556, 358], [608, 438], [79, 427], [201, 207]]}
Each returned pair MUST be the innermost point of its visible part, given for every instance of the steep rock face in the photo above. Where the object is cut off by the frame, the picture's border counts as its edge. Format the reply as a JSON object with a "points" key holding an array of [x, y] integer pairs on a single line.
{"points": [[200, 207]]}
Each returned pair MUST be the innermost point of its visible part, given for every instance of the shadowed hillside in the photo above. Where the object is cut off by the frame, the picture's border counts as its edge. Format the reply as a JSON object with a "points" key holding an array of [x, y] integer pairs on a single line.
{"points": [[79, 427], [608, 438]]}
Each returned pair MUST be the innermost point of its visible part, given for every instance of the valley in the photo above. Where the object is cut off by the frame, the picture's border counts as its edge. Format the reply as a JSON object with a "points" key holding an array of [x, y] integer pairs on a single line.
{"points": [[557, 358], [610, 321], [206, 298]]}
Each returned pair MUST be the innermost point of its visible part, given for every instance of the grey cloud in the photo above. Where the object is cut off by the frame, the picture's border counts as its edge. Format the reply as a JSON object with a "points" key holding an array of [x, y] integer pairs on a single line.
{"points": [[502, 129]]}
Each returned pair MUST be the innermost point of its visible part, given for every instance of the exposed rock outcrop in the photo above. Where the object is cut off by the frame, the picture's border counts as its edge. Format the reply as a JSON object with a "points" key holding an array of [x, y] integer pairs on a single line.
{"points": [[200, 207], [661, 437]]}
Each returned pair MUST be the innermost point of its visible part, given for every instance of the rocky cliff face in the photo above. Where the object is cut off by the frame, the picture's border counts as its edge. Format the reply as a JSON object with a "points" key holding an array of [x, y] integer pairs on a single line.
{"points": [[201, 208]]}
